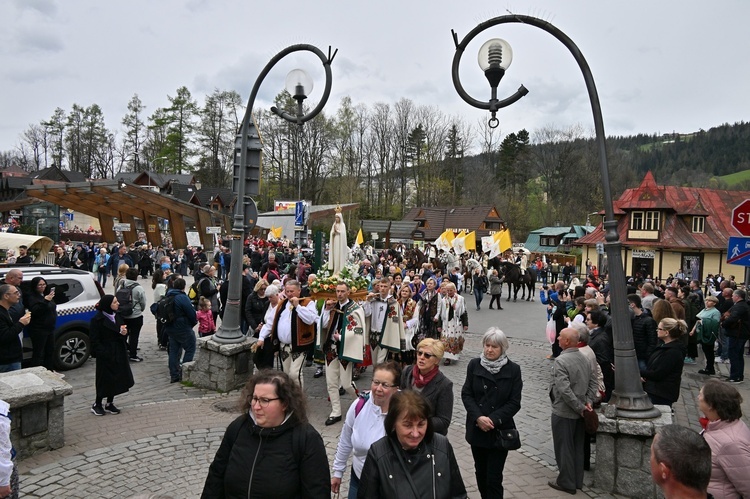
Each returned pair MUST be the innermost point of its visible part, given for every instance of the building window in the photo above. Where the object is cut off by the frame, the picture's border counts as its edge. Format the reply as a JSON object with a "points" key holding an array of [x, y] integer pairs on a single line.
{"points": [[652, 220], [699, 224], [636, 220]]}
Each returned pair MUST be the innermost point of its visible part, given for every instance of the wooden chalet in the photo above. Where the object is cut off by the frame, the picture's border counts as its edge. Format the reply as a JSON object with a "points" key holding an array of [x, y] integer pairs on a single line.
{"points": [[667, 228]]}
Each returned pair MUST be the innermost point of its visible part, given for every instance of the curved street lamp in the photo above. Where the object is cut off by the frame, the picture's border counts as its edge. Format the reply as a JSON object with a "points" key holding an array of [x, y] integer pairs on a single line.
{"points": [[300, 84], [495, 57]]}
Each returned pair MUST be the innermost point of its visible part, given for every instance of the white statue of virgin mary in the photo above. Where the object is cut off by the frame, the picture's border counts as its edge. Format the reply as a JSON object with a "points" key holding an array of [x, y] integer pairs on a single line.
{"points": [[338, 250]]}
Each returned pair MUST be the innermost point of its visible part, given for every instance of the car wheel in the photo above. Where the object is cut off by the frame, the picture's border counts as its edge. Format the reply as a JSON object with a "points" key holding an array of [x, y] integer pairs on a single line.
{"points": [[72, 349]]}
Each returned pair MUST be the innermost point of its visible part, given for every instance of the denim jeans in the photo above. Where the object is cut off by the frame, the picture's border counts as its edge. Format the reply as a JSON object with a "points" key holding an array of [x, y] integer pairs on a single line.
{"points": [[179, 341], [736, 358], [13, 366], [723, 352], [478, 295], [353, 486]]}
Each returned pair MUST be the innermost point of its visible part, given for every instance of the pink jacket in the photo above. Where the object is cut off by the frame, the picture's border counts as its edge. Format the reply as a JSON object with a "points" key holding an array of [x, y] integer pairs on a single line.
{"points": [[730, 459], [205, 322]]}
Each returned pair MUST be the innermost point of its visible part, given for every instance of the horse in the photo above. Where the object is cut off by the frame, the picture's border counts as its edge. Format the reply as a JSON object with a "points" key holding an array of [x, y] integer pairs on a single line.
{"points": [[512, 273]]}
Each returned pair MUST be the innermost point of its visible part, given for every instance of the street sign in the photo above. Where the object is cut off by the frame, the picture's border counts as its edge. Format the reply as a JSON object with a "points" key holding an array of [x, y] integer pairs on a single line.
{"points": [[213, 230], [299, 214], [741, 217], [738, 251], [121, 227]]}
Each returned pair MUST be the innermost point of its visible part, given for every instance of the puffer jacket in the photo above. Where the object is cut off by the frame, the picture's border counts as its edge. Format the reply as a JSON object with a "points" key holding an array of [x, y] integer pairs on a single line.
{"points": [[433, 472], [253, 462], [644, 336], [730, 458], [664, 370]]}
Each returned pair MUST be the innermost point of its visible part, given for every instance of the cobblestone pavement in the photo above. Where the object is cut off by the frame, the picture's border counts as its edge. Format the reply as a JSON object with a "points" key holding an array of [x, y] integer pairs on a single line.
{"points": [[167, 434]]}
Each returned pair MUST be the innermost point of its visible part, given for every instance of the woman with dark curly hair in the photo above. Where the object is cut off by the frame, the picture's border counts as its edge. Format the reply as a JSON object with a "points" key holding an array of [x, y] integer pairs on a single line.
{"points": [[271, 450]]}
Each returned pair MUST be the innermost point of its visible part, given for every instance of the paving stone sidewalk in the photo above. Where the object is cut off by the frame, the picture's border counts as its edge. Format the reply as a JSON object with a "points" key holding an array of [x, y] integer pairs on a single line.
{"points": [[167, 434]]}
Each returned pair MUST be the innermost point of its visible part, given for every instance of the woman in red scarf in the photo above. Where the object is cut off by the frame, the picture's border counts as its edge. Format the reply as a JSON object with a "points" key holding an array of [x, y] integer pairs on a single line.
{"points": [[425, 377]]}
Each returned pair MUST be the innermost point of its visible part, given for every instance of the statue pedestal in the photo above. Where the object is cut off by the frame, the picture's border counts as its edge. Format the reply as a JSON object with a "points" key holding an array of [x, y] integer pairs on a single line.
{"points": [[623, 453], [218, 366]]}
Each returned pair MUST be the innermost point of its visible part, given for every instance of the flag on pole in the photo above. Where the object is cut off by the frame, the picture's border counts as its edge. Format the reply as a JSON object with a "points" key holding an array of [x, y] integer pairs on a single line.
{"points": [[360, 237], [504, 240], [449, 236], [459, 243], [471, 241]]}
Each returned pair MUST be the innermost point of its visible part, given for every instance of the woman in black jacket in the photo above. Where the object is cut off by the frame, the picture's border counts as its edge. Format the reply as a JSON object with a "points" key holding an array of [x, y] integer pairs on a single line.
{"points": [[661, 378], [41, 303], [411, 461], [491, 396], [271, 451], [426, 378], [109, 345], [256, 307]]}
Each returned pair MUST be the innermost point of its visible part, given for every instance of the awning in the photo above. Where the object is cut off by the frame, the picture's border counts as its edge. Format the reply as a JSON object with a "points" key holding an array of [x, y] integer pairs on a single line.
{"points": [[110, 199]]}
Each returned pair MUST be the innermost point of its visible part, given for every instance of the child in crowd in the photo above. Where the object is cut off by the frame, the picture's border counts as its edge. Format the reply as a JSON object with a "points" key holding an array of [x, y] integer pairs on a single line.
{"points": [[206, 325]]}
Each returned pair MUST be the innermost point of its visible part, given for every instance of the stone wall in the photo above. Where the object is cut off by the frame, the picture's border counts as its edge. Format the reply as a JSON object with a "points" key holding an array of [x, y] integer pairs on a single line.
{"points": [[218, 366], [36, 397], [623, 453]]}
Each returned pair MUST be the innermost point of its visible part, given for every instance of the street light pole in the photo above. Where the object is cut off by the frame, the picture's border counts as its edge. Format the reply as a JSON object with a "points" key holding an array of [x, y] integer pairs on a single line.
{"points": [[230, 332], [628, 395], [39, 221]]}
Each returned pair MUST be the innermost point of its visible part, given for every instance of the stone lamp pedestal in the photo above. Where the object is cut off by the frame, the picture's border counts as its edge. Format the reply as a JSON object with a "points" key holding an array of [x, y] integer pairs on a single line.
{"points": [[219, 366], [623, 453]]}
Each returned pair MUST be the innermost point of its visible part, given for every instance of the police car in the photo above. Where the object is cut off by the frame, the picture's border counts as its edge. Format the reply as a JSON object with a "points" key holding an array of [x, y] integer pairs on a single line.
{"points": [[76, 293]]}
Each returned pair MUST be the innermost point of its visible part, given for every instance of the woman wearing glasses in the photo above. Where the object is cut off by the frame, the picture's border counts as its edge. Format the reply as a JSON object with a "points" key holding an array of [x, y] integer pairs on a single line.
{"points": [[425, 377], [661, 378], [364, 425], [271, 450], [492, 396]]}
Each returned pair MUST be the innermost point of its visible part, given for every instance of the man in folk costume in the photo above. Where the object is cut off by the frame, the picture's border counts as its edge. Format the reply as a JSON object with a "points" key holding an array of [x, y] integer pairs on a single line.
{"points": [[522, 260], [385, 325], [294, 326], [453, 321], [342, 341]]}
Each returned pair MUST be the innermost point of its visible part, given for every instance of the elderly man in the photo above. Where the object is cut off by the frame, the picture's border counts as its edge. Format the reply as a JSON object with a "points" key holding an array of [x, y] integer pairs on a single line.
{"points": [[680, 463], [14, 277], [385, 326], [342, 341], [294, 326], [573, 391], [737, 326], [11, 351]]}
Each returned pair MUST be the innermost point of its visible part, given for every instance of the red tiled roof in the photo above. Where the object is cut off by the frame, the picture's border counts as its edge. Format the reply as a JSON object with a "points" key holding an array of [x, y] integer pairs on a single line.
{"points": [[675, 203]]}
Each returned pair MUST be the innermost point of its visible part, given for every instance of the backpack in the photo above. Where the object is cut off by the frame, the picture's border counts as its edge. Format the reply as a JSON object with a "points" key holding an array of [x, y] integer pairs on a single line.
{"points": [[124, 297], [361, 403], [165, 313], [195, 291]]}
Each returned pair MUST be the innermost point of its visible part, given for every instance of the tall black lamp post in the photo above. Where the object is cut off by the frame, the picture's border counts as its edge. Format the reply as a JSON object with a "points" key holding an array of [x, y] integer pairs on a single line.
{"points": [[494, 58], [246, 181]]}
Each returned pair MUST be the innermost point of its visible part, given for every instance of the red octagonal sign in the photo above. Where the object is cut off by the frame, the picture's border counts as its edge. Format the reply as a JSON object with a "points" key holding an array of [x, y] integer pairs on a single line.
{"points": [[741, 218]]}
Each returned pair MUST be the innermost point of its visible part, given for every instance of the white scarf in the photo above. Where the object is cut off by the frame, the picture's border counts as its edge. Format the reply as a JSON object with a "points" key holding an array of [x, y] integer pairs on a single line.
{"points": [[493, 366]]}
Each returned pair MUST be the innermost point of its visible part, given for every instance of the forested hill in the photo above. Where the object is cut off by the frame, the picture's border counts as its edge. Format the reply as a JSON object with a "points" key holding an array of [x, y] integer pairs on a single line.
{"points": [[689, 159]]}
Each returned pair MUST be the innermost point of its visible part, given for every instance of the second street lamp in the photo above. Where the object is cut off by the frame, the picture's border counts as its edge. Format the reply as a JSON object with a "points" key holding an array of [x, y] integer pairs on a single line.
{"points": [[246, 180], [628, 395]]}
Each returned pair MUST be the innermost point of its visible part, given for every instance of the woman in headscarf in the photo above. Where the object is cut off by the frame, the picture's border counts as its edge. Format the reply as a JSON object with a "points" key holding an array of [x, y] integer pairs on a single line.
{"points": [[109, 345]]}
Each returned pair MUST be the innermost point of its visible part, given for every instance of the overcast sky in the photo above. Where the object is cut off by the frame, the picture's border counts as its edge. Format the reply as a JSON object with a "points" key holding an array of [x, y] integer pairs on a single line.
{"points": [[660, 66]]}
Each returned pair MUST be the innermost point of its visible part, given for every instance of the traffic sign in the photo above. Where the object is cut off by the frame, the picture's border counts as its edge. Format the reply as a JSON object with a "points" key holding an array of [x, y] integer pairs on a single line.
{"points": [[738, 251], [741, 217]]}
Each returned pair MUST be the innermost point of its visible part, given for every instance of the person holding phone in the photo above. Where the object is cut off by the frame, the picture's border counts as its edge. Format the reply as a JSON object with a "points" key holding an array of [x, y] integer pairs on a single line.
{"points": [[41, 303]]}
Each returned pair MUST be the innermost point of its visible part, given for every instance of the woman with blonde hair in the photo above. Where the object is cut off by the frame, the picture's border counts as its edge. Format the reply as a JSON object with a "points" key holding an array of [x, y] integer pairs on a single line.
{"points": [[425, 377], [121, 271], [663, 373]]}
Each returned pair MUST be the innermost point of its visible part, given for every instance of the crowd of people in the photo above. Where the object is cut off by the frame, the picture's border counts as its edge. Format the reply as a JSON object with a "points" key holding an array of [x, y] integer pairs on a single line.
{"points": [[410, 322]]}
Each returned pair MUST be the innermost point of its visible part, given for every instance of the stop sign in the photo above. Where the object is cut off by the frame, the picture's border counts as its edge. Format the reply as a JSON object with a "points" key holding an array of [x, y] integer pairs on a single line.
{"points": [[741, 218]]}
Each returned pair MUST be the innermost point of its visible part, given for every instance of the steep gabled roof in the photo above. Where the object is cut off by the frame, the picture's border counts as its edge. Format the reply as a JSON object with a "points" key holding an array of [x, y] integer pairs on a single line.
{"points": [[678, 206], [439, 218]]}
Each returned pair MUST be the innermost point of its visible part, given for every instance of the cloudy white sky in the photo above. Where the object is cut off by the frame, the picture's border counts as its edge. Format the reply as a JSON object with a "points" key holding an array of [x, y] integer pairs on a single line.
{"points": [[660, 66]]}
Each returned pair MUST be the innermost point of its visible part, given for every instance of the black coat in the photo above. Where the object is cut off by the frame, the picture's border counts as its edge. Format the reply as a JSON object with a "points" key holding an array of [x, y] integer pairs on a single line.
{"points": [[664, 370], [43, 313], [287, 461], [255, 311], [385, 474], [497, 396], [738, 322], [439, 393], [644, 336], [10, 346], [113, 374]]}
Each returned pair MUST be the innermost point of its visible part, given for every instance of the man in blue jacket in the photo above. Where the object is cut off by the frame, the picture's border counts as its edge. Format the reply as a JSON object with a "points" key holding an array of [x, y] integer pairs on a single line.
{"points": [[180, 330]]}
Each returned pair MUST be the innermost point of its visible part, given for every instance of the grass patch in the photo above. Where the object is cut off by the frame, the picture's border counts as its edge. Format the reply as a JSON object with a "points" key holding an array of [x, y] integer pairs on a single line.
{"points": [[735, 178]]}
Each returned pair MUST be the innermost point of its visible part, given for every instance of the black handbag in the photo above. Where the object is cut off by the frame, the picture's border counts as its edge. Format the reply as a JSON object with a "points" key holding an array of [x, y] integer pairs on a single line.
{"points": [[508, 439]]}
